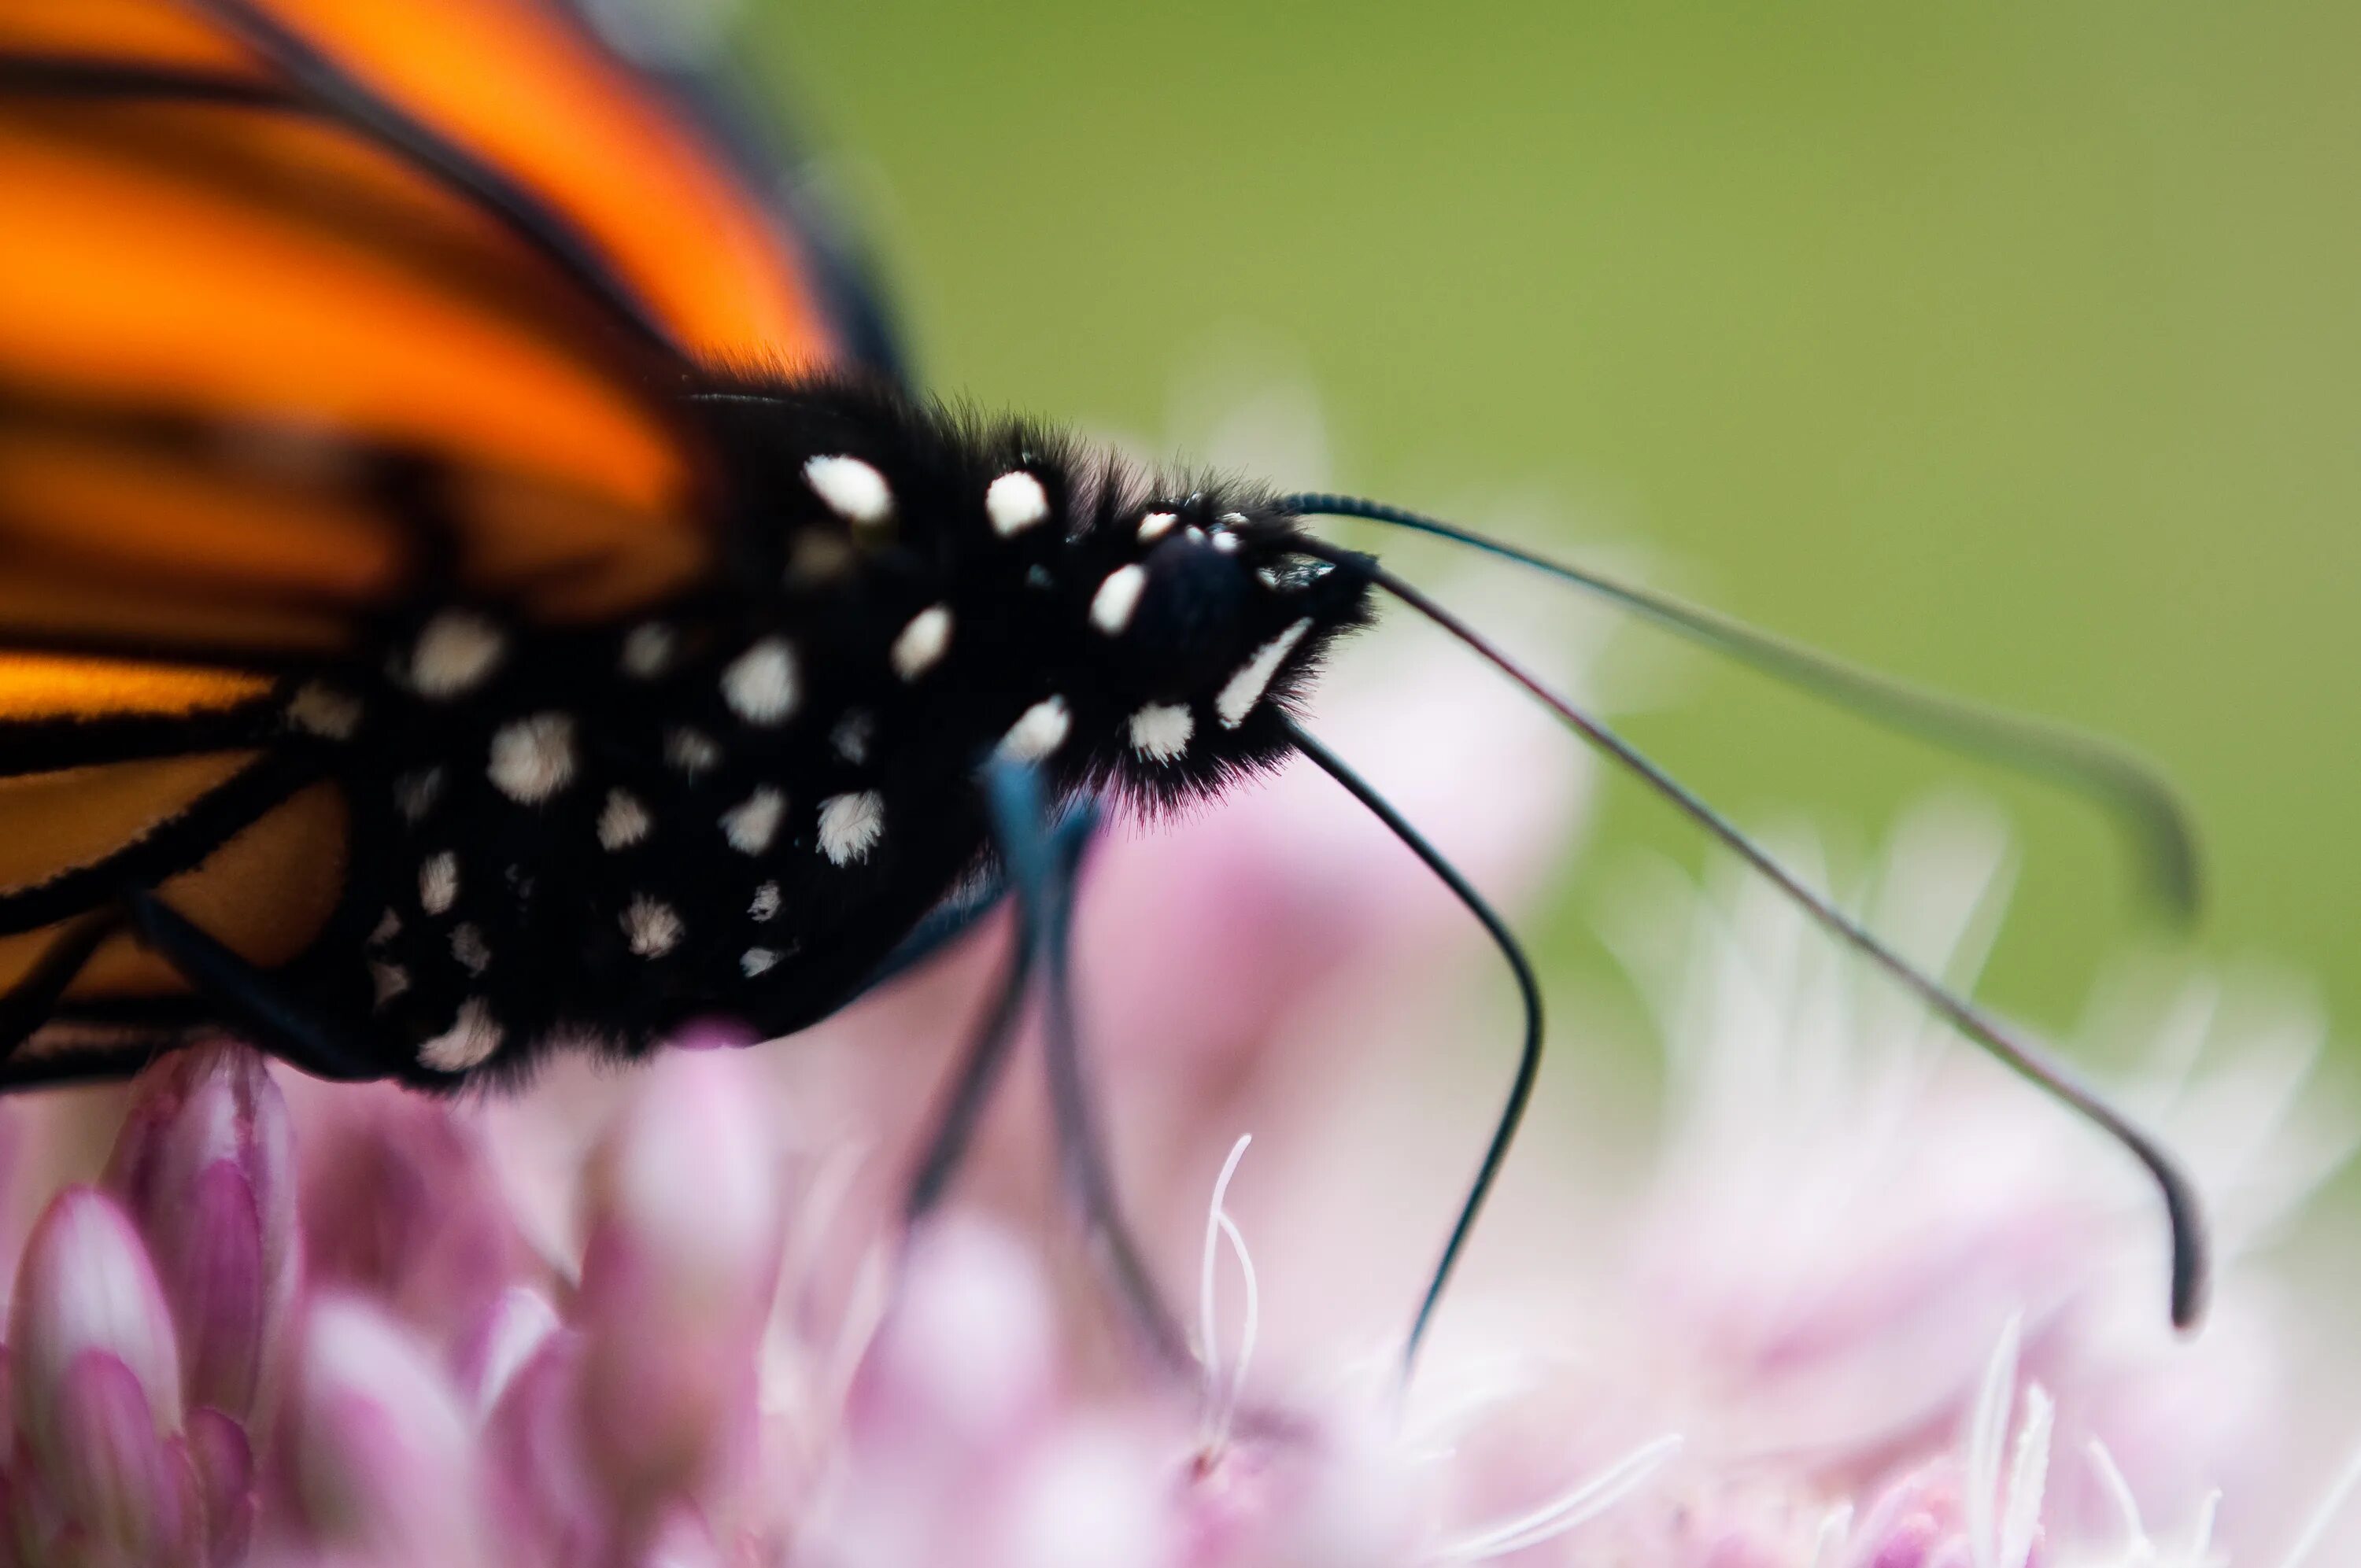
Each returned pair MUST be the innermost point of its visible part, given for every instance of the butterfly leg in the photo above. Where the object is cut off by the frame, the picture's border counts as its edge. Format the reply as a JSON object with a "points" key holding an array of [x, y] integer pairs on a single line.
{"points": [[978, 1070], [987, 1054], [282, 1024], [1044, 884]]}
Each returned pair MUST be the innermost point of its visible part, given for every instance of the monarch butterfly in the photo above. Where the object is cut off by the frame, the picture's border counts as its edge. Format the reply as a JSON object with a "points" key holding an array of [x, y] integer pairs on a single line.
{"points": [[472, 580]]}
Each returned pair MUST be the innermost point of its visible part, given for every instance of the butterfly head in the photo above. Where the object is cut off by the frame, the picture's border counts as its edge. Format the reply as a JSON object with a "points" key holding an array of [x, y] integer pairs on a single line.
{"points": [[1211, 627], [998, 586]]}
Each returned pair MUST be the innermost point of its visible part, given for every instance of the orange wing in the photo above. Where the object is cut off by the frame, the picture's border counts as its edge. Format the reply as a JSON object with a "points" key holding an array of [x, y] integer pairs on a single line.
{"points": [[302, 299]]}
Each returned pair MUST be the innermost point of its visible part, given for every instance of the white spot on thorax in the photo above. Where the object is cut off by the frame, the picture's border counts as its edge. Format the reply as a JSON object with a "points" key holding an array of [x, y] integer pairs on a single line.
{"points": [[1243, 690], [853, 734], [414, 793], [759, 961], [650, 927], [850, 489], [622, 821], [761, 684], [388, 981], [766, 905], [1014, 503], [693, 751], [850, 825], [754, 822], [1161, 732], [533, 759], [1224, 541], [1040, 730], [469, 1043], [438, 882], [454, 654], [1156, 526], [468, 945], [648, 650], [1111, 607], [922, 642], [318, 709]]}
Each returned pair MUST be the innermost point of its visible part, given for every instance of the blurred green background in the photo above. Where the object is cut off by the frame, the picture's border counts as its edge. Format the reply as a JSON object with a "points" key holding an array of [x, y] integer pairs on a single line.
{"points": [[2014, 348]]}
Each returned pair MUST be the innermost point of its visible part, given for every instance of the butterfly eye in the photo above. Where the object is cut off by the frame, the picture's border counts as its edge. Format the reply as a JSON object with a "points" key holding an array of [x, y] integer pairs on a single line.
{"points": [[1186, 612]]}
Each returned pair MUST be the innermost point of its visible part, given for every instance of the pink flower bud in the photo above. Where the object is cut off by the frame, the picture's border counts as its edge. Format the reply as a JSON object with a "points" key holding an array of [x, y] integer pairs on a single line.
{"points": [[966, 1362], [686, 1215], [384, 1459], [223, 1462], [950, 1413], [1094, 1493], [401, 1204], [87, 1284], [544, 1485], [112, 1475], [1919, 1521], [503, 1344], [96, 1389], [682, 1540], [206, 1163]]}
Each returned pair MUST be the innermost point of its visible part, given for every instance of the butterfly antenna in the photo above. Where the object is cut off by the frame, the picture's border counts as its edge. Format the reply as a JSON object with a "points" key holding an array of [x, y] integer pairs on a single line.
{"points": [[1529, 1054], [2141, 801], [2029, 1059]]}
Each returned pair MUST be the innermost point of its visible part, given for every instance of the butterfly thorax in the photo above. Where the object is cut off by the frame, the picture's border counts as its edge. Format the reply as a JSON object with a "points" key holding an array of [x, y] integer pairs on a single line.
{"points": [[737, 804]]}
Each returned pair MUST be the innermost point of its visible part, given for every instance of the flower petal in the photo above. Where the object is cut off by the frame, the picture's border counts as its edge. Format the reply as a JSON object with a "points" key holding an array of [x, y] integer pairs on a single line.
{"points": [[87, 1284]]}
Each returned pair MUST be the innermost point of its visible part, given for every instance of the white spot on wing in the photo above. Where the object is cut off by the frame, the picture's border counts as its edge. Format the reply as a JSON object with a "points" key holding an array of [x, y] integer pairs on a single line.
{"points": [[650, 927], [438, 882], [622, 821], [1040, 730], [533, 759], [1243, 690], [469, 1043], [1161, 732], [759, 961], [850, 825], [850, 489], [761, 684], [922, 642], [754, 822], [454, 654], [1156, 526], [1014, 503], [766, 905], [648, 650], [388, 927], [1111, 607]]}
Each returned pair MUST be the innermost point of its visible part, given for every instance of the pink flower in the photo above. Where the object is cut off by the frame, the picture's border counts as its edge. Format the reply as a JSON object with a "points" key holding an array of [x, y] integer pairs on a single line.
{"points": [[385, 1463], [99, 1468], [671, 1317]]}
